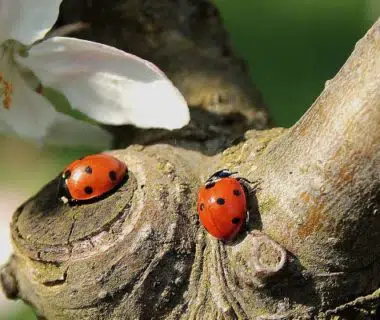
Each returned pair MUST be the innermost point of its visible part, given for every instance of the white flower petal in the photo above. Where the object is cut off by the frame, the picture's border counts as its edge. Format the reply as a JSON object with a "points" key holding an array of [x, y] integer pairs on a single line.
{"points": [[72, 132], [30, 114], [39, 121], [108, 84], [27, 20]]}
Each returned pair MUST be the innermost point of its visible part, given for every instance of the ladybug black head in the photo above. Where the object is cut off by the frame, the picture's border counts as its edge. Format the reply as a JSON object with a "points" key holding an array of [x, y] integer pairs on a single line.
{"points": [[63, 192], [224, 173]]}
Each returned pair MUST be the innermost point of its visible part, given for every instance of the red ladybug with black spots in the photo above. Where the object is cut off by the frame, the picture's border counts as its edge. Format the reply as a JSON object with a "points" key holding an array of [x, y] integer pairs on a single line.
{"points": [[91, 177], [222, 205]]}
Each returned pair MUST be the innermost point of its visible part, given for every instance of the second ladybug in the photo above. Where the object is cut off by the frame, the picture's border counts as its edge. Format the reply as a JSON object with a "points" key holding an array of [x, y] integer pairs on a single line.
{"points": [[222, 205], [91, 177]]}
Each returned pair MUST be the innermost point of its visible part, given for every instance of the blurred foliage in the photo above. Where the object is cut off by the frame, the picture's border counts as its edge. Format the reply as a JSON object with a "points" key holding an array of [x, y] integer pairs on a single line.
{"points": [[27, 167], [292, 48], [23, 312]]}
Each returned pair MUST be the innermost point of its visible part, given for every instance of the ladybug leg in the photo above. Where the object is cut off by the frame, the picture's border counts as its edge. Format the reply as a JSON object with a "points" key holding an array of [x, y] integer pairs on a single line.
{"points": [[62, 192], [249, 186], [240, 179]]}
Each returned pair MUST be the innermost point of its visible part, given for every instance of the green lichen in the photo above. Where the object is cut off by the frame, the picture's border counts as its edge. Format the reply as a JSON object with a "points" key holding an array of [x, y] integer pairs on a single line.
{"points": [[267, 204], [261, 312], [48, 272]]}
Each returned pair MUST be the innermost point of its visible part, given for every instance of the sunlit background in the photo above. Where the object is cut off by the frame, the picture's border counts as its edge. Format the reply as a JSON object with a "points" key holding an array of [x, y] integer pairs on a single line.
{"points": [[292, 48]]}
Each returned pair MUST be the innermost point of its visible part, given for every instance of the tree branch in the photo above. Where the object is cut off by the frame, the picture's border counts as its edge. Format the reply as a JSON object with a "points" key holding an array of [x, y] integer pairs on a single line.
{"points": [[311, 244], [324, 172]]}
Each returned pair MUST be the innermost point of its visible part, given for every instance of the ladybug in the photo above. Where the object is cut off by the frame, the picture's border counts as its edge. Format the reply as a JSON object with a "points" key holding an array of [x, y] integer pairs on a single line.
{"points": [[222, 205], [91, 177]]}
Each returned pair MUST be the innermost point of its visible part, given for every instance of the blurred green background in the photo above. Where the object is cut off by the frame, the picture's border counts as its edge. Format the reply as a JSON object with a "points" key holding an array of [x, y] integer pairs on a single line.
{"points": [[292, 48]]}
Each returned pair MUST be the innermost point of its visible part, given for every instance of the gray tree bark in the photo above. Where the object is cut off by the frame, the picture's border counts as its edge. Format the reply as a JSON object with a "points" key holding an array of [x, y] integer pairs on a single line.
{"points": [[311, 245]]}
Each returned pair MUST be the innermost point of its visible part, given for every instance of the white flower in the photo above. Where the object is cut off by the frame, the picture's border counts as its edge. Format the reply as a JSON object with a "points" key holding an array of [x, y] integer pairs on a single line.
{"points": [[106, 84]]}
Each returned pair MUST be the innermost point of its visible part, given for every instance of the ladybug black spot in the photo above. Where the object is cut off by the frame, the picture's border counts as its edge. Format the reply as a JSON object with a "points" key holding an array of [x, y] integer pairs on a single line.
{"points": [[237, 192], [88, 190], [235, 220], [210, 185], [88, 170], [202, 206], [220, 201], [67, 174], [112, 174]]}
